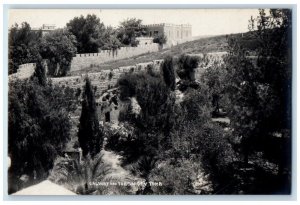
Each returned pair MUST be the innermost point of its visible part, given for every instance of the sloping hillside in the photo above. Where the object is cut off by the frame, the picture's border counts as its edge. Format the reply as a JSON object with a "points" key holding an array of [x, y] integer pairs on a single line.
{"points": [[202, 45]]}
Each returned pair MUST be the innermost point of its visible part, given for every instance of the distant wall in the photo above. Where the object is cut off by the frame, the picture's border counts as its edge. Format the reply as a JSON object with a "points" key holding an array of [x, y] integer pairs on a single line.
{"points": [[24, 71], [85, 60]]}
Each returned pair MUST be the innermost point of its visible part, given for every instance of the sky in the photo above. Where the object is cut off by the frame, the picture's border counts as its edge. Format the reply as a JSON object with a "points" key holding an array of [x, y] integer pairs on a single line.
{"points": [[203, 21]]}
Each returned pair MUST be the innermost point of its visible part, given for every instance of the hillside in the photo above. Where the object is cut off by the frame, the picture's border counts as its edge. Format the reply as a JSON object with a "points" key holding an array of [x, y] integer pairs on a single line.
{"points": [[202, 45]]}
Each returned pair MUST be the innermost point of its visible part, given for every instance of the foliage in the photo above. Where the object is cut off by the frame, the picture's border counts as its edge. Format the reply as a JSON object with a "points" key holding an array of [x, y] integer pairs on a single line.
{"points": [[260, 88], [90, 134], [88, 31], [176, 179], [190, 115], [40, 73], [23, 46], [168, 72], [127, 84], [216, 153], [186, 66], [109, 41], [118, 137], [160, 39], [143, 168], [129, 30], [275, 61], [80, 177], [155, 118], [27, 46], [59, 48], [194, 134], [38, 127], [214, 76]]}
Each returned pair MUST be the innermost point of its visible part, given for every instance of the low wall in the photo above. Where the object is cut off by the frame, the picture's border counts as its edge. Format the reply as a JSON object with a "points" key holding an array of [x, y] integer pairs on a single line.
{"points": [[85, 60]]}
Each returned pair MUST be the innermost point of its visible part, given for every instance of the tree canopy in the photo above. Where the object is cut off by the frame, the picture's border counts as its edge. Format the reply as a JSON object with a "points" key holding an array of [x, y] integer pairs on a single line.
{"points": [[88, 31], [59, 48], [260, 87], [23, 46], [38, 126], [129, 30]]}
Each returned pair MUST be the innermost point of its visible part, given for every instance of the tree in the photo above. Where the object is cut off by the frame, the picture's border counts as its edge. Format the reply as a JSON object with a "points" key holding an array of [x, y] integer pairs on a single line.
{"points": [[129, 30], [38, 129], [214, 77], [275, 62], [90, 135], [40, 73], [186, 67], [88, 31], [241, 85], [110, 40], [80, 177], [160, 39], [260, 87], [190, 115], [168, 72], [59, 48], [23, 46], [155, 119]]}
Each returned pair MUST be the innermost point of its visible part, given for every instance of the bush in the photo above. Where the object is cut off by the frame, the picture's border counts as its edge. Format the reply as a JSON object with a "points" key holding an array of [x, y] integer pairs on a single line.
{"points": [[160, 39], [80, 177], [217, 154], [181, 178], [186, 66]]}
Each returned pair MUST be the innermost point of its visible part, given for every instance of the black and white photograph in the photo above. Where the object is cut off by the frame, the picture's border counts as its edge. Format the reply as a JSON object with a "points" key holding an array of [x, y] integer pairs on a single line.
{"points": [[150, 101]]}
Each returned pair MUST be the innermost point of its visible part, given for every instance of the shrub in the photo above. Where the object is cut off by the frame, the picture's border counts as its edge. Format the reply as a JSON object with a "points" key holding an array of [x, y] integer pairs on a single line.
{"points": [[80, 177], [186, 66], [181, 178], [160, 39]]}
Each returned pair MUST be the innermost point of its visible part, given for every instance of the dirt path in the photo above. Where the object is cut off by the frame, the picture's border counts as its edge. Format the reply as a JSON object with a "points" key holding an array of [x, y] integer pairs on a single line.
{"points": [[120, 175], [113, 160]]}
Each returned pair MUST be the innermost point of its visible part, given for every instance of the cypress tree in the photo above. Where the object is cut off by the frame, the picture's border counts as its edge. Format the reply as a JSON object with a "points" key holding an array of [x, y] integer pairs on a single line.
{"points": [[40, 73], [89, 133], [169, 73]]}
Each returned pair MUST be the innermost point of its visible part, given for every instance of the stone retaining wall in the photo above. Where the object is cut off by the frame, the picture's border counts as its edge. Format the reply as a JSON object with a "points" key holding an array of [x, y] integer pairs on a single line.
{"points": [[24, 71]]}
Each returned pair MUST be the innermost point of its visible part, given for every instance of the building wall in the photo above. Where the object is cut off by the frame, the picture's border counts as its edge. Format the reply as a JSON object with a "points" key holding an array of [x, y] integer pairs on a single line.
{"points": [[155, 29], [145, 40], [175, 33], [46, 28]]}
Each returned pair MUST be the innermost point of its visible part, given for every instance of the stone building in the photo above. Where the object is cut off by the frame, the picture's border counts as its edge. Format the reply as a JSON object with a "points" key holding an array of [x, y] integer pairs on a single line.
{"points": [[175, 33], [144, 40], [46, 28]]}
